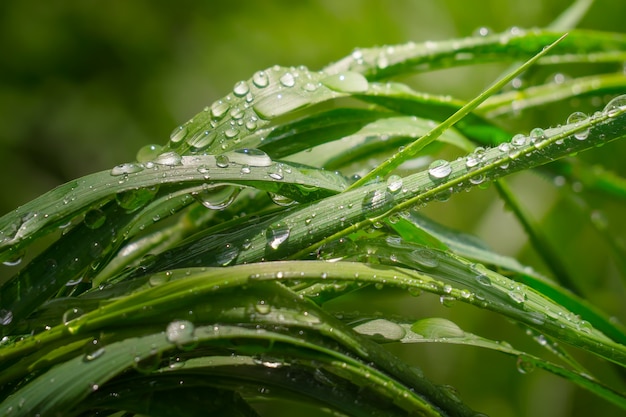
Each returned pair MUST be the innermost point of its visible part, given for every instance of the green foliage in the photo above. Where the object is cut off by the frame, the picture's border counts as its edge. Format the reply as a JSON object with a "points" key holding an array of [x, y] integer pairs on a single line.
{"points": [[232, 266]]}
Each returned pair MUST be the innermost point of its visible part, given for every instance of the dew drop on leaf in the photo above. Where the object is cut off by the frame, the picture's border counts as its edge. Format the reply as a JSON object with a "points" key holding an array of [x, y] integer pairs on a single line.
{"points": [[278, 104], [519, 140], [228, 254], [287, 80], [394, 183], [219, 109], [346, 82], [178, 134], [251, 157], [241, 89], [180, 332], [425, 258], [202, 139], [94, 218], [381, 329], [439, 169], [71, 314], [577, 118], [217, 197], [260, 79], [127, 168], [148, 152], [524, 365], [277, 234], [222, 161], [614, 106], [169, 158]]}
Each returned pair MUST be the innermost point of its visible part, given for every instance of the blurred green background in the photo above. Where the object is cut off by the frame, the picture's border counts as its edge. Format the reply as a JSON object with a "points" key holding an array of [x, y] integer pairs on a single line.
{"points": [[85, 83]]}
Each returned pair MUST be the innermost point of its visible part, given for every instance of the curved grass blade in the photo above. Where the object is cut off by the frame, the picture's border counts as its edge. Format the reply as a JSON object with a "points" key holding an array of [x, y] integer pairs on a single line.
{"points": [[440, 330], [412, 149]]}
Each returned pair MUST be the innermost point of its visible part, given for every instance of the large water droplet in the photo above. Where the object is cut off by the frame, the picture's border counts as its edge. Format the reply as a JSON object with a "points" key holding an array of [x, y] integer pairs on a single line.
{"points": [[180, 332], [425, 258], [278, 104], [222, 161], [168, 158], [227, 255], [178, 134], [394, 183], [578, 118], [439, 169], [72, 314], [251, 157], [616, 105], [381, 329], [202, 139], [519, 140], [287, 80], [277, 234], [241, 89], [132, 200], [127, 168], [94, 218], [148, 152], [437, 328], [219, 109], [260, 79], [525, 365], [217, 197], [347, 82]]}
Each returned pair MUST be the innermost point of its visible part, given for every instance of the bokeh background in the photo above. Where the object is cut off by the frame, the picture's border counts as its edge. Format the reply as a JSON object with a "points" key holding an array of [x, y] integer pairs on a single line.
{"points": [[85, 83]]}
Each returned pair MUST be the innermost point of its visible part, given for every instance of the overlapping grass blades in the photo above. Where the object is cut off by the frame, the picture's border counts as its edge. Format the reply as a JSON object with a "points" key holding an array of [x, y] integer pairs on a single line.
{"points": [[229, 295]]}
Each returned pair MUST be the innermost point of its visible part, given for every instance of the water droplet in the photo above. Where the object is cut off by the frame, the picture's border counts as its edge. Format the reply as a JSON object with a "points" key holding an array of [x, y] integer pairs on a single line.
{"points": [[217, 197], [260, 79], [394, 183], [482, 31], [278, 104], [425, 258], [537, 135], [71, 314], [504, 147], [262, 307], [241, 89], [180, 332], [347, 82], [178, 134], [168, 158], [517, 294], [148, 152], [127, 168], [231, 132], [616, 105], [219, 109], [524, 364], [6, 317], [577, 119], [251, 157], [437, 328], [245, 169], [132, 200], [282, 200], [251, 124], [94, 218], [439, 169], [381, 329], [222, 161], [92, 356], [202, 139], [287, 80], [14, 260], [276, 173], [277, 234], [228, 255], [519, 140]]}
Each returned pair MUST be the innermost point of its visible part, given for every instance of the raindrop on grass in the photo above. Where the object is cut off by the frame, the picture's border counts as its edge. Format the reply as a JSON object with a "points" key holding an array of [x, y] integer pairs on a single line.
{"points": [[202, 139], [219, 109], [347, 82], [148, 152], [94, 218], [241, 89], [439, 169], [169, 158], [287, 80], [394, 183], [180, 332], [277, 234], [577, 118], [278, 104], [177, 135], [251, 157], [260, 79], [519, 140], [217, 197], [381, 329], [71, 314], [524, 365], [614, 106], [127, 168], [222, 161], [425, 258]]}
